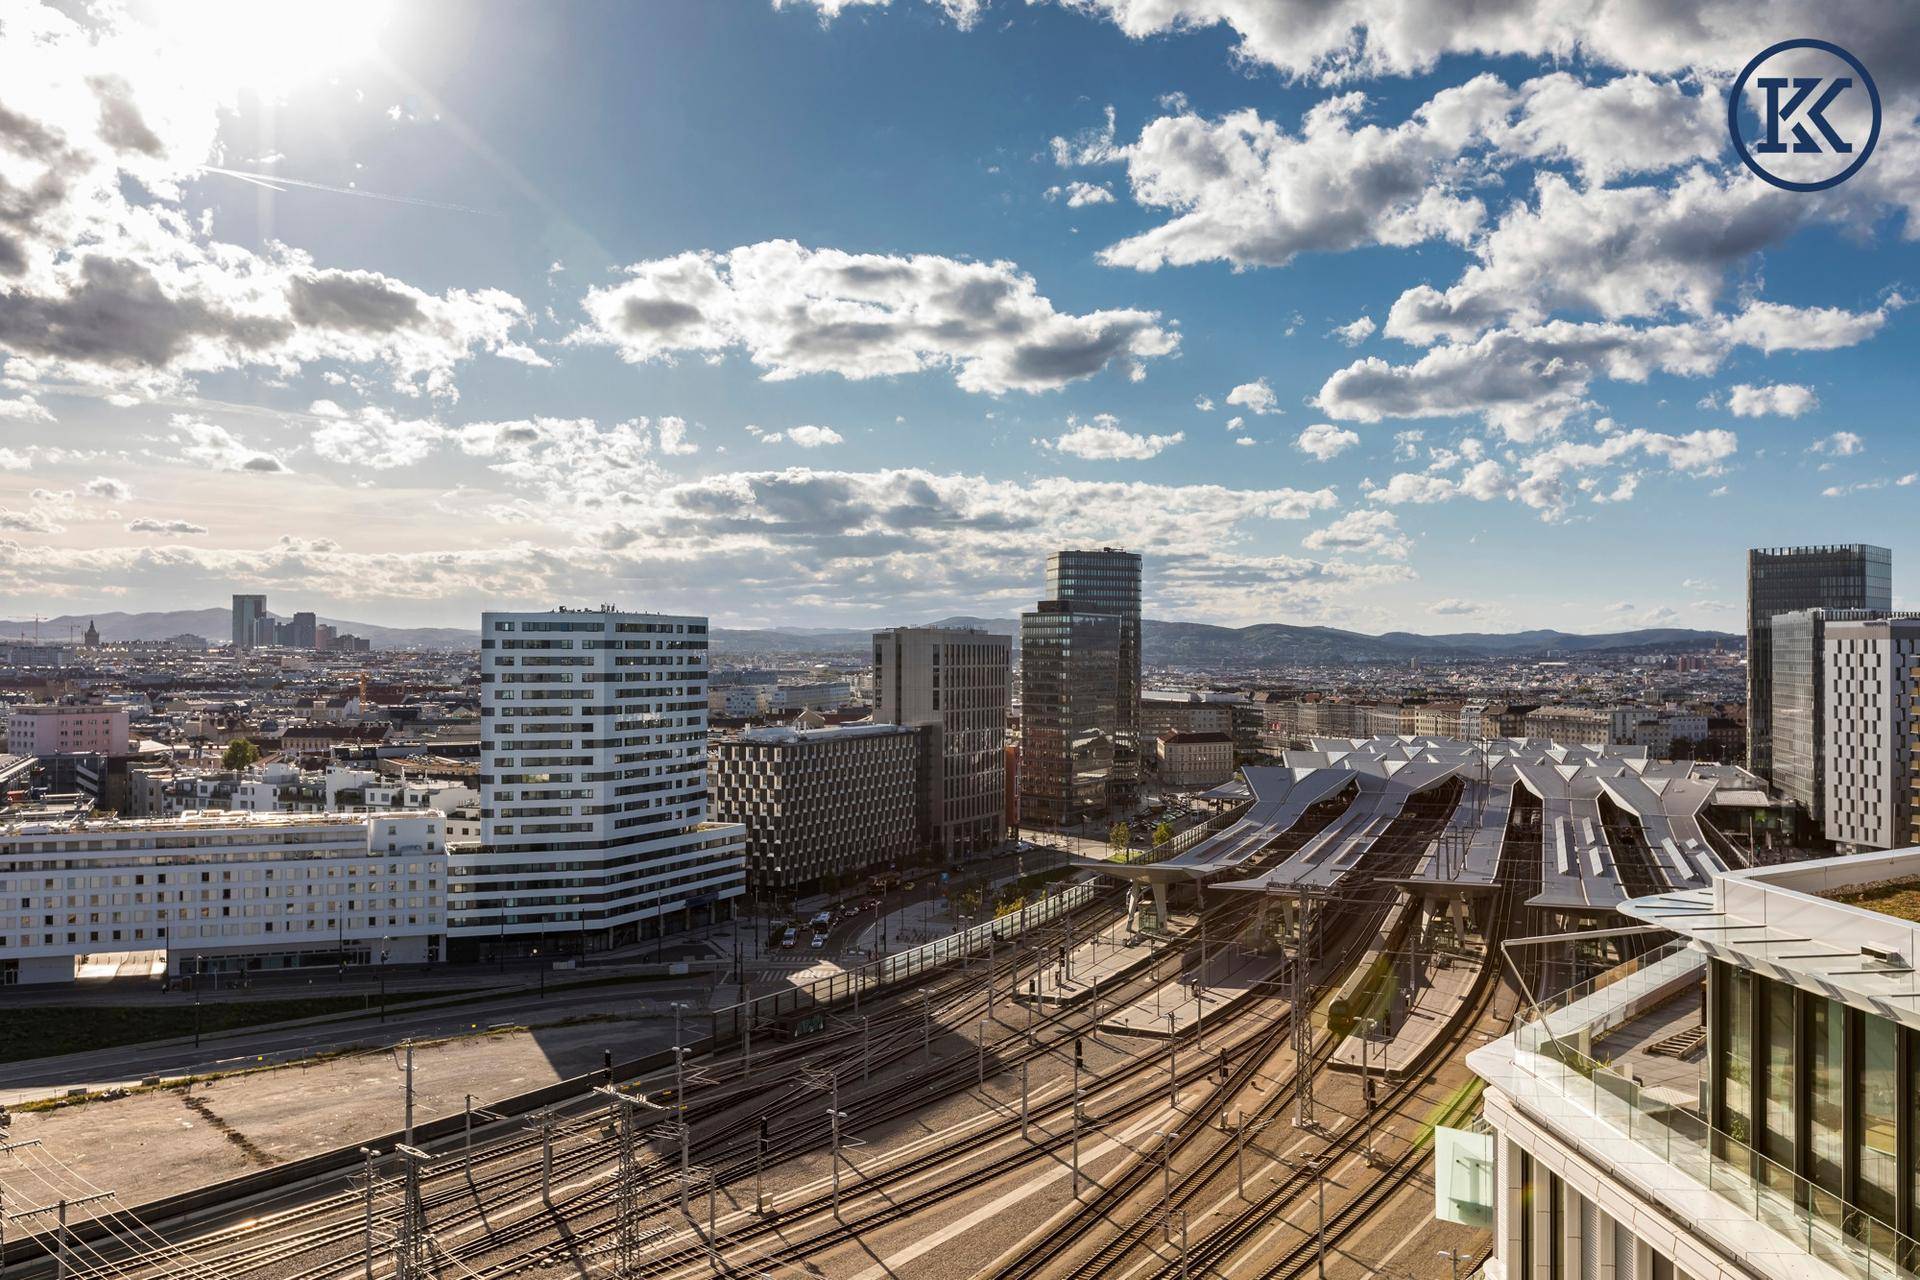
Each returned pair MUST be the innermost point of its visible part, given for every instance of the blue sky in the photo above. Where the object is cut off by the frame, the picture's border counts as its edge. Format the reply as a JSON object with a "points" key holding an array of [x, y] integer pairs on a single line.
{"points": [[839, 313]]}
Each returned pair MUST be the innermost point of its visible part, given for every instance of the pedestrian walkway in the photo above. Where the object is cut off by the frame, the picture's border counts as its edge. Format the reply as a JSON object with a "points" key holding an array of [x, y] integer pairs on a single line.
{"points": [[1446, 982]]}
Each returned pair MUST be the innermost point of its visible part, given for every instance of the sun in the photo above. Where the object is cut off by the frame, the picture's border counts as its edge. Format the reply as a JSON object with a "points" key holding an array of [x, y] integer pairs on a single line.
{"points": [[271, 46]]}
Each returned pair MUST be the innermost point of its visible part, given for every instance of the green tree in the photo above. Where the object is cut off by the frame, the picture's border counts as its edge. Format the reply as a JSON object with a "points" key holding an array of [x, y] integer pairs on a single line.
{"points": [[240, 753], [1118, 837], [1162, 833]]}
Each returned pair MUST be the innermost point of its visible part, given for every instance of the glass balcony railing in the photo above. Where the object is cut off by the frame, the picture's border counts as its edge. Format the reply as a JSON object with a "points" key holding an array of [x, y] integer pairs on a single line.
{"points": [[1567, 1087]]}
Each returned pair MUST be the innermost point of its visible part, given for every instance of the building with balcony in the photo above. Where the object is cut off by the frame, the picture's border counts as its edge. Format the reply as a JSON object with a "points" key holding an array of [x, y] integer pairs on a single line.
{"points": [[593, 786], [820, 806], [219, 892], [1742, 1100]]}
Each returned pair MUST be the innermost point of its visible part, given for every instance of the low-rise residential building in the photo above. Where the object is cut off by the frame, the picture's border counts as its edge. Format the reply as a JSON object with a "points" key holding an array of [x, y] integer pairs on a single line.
{"points": [[67, 729], [1585, 726], [1164, 713], [1194, 759], [220, 892], [820, 805]]}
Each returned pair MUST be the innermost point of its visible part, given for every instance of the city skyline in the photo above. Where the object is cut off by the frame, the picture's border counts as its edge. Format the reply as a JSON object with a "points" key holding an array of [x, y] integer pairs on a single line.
{"points": [[319, 305]]}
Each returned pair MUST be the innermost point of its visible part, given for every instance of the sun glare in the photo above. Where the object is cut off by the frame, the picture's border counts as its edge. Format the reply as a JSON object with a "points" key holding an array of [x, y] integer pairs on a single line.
{"points": [[272, 45]]}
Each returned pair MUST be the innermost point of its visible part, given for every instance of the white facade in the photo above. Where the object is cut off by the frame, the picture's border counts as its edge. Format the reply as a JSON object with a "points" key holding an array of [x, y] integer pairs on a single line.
{"points": [[1869, 674], [593, 781], [221, 891]]}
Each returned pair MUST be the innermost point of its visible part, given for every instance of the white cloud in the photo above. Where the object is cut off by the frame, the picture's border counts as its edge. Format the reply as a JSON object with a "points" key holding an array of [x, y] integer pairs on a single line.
{"points": [[1355, 332], [371, 437], [1236, 423], [1246, 440], [1366, 532], [1549, 479], [108, 488], [1841, 444], [1455, 607], [147, 524], [208, 445], [1255, 396], [798, 311], [1243, 190], [1203, 403], [28, 521], [1323, 440], [1528, 381], [1785, 399], [810, 437], [1080, 194], [1103, 439], [24, 409], [1358, 39]]}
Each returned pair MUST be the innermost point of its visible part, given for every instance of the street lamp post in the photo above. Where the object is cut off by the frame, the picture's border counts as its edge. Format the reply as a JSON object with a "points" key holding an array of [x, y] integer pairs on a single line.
{"points": [[1453, 1257], [386, 949]]}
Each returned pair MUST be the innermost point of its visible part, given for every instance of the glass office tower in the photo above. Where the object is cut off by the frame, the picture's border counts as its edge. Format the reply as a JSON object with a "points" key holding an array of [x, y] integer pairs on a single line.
{"points": [[1069, 705], [1108, 581]]}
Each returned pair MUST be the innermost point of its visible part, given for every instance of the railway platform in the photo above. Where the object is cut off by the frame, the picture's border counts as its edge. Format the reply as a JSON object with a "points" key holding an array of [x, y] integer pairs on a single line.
{"points": [[1444, 990]]}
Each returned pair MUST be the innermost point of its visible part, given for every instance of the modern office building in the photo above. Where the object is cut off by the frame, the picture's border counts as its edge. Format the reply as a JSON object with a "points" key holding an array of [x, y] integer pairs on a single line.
{"points": [[820, 806], [1785, 579], [1798, 710], [1743, 1101], [1870, 671], [954, 684], [247, 613], [219, 892], [1108, 581], [593, 786], [1069, 713]]}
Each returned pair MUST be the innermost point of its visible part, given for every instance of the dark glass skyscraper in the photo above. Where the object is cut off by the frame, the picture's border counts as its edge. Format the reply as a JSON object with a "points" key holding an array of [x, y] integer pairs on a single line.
{"points": [[1786, 579], [1108, 581], [1069, 696], [1080, 688]]}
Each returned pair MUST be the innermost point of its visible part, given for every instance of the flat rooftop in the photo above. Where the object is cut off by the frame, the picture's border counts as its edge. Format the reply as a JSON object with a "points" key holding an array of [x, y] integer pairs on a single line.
{"points": [[201, 820]]}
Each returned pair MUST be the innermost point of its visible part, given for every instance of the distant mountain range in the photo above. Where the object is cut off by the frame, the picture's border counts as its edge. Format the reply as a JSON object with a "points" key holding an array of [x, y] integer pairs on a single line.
{"points": [[1201, 645], [1178, 644], [216, 625]]}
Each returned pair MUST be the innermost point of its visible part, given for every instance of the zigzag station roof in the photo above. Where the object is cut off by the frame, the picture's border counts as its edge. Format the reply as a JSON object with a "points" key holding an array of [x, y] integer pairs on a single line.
{"points": [[1579, 869]]}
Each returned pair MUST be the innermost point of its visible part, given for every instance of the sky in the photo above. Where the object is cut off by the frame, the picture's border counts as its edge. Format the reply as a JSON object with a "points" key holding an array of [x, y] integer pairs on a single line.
{"points": [[1444, 317]]}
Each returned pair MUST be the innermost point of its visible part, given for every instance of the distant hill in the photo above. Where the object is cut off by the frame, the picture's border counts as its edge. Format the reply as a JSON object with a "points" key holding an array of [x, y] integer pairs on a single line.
{"points": [[1177, 644], [1202, 645], [216, 625]]}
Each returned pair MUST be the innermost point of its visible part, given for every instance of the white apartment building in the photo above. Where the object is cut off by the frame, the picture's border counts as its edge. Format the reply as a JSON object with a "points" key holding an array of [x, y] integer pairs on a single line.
{"points": [[737, 701], [1655, 728], [220, 892], [593, 785], [1741, 1103], [1870, 673]]}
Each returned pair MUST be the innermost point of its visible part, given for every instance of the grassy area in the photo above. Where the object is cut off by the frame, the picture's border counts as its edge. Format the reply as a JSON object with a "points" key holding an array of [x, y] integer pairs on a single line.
{"points": [[1899, 899]]}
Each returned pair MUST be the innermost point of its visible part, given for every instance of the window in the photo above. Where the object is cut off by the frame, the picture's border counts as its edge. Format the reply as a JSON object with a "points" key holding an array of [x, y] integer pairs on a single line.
{"points": [[1826, 1093], [1875, 1099]]}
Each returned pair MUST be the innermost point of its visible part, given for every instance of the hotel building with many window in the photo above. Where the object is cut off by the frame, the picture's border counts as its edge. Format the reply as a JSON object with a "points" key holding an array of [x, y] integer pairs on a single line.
{"points": [[220, 892], [593, 786]]}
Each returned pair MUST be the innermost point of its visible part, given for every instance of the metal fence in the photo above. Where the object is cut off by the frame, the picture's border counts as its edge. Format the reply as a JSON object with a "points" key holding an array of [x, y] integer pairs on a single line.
{"points": [[903, 966]]}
